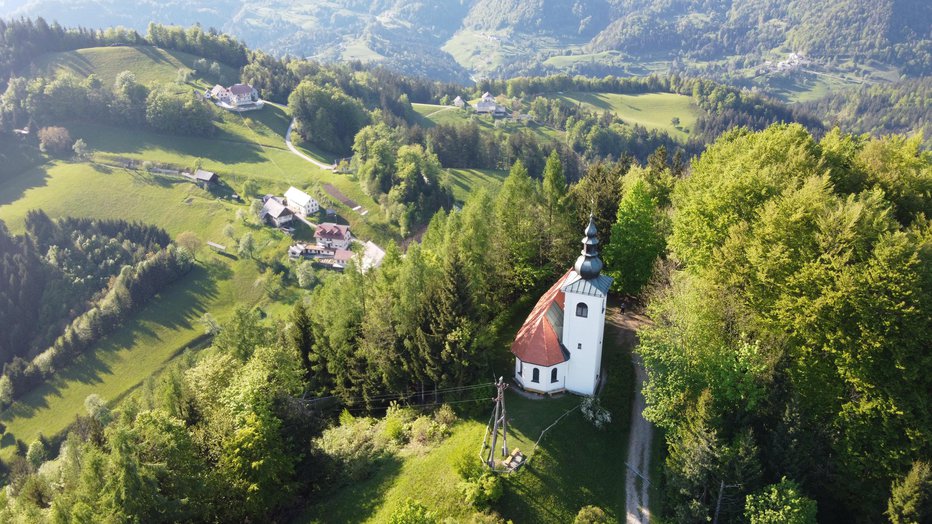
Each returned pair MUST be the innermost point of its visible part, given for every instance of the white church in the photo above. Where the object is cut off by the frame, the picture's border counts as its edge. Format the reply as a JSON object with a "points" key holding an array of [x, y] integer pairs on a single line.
{"points": [[559, 347]]}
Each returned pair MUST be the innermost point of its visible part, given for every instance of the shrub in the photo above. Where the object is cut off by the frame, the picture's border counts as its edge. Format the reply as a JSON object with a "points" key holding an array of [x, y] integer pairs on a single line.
{"points": [[445, 415], [593, 411], [468, 466], [412, 512], [55, 140], [482, 492], [591, 515]]}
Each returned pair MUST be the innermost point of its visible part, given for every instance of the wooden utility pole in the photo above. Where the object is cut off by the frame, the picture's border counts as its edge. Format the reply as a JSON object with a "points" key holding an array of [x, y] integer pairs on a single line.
{"points": [[499, 419]]}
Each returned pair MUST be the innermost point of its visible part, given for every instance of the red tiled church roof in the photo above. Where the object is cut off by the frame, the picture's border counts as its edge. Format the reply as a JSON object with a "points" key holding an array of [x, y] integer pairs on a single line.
{"points": [[537, 341]]}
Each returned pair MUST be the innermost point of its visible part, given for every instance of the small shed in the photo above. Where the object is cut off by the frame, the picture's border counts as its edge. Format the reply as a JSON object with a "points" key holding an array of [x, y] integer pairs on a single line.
{"points": [[205, 177], [220, 248]]}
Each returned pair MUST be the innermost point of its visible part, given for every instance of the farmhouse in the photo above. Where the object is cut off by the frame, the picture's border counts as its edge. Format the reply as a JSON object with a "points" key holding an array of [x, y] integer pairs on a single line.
{"points": [[300, 202], [333, 235], [559, 347], [459, 102], [237, 96], [486, 104], [275, 212], [333, 258]]}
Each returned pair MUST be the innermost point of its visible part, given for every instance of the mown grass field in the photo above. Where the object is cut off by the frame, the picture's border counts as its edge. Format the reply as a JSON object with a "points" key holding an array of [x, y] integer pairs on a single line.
{"points": [[651, 110], [465, 182], [574, 465], [431, 115], [149, 64]]}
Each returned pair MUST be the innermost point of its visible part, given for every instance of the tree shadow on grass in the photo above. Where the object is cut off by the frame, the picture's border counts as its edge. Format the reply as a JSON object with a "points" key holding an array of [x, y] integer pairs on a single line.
{"points": [[14, 187], [357, 501], [125, 141], [178, 308], [153, 54], [75, 63]]}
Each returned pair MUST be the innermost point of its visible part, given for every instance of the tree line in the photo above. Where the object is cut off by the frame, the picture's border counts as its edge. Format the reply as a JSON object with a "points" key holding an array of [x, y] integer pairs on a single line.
{"points": [[165, 108], [23, 40], [791, 298], [71, 282]]}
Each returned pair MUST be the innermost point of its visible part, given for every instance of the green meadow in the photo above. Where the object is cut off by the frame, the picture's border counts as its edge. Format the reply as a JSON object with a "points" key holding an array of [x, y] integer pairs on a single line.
{"points": [[149, 64], [651, 110]]}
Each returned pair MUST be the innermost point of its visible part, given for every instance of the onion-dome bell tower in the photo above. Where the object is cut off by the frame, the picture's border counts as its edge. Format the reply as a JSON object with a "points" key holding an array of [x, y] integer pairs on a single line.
{"points": [[586, 292], [589, 265]]}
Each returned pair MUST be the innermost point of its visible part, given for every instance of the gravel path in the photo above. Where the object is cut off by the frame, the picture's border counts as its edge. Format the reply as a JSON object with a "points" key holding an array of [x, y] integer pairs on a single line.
{"points": [[639, 441], [642, 432]]}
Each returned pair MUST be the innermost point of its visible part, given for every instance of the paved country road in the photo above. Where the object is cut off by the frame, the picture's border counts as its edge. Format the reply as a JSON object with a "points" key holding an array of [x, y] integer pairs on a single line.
{"points": [[292, 148]]}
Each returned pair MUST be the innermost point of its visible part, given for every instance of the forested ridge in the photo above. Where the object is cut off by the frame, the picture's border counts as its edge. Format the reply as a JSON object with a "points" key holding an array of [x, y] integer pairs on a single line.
{"points": [[67, 283]]}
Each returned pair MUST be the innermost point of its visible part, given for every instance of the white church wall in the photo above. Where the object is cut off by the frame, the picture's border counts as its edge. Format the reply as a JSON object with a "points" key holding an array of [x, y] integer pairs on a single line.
{"points": [[524, 375], [582, 336]]}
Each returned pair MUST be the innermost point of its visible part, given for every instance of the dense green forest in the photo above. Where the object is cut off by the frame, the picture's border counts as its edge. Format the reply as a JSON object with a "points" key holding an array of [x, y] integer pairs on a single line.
{"points": [[792, 324], [904, 107]]}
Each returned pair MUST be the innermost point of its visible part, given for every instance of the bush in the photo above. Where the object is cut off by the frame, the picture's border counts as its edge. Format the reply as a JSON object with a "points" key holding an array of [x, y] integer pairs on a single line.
{"points": [[483, 492], [468, 466], [445, 415], [55, 140], [591, 515], [593, 411], [412, 512]]}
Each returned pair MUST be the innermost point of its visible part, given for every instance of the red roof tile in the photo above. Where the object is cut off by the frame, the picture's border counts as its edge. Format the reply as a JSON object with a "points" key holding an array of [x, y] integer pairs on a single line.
{"points": [[331, 231], [537, 342]]}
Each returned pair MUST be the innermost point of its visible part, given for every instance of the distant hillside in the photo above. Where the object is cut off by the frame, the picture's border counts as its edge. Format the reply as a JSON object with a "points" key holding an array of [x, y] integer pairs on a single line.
{"points": [[502, 38]]}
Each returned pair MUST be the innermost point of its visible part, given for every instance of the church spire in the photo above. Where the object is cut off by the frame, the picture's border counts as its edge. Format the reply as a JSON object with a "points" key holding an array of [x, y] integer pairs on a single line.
{"points": [[589, 265]]}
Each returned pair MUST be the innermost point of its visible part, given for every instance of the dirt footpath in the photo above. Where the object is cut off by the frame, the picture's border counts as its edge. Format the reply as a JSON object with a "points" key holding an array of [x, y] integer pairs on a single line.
{"points": [[642, 432]]}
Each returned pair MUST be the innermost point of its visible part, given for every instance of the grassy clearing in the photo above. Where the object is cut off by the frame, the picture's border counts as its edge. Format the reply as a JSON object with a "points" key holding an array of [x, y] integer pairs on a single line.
{"points": [[465, 182], [651, 110], [149, 64], [574, 465]]}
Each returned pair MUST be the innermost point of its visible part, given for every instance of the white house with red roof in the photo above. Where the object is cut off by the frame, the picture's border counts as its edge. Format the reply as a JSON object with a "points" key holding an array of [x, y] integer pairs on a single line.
{"points": [[559, 347], [333, 235]]}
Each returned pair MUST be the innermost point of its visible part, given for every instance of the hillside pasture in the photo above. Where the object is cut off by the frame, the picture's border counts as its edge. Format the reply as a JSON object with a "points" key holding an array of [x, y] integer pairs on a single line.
{"points": [[651, 110], [465, 182], [149, 64], [170, 322]]}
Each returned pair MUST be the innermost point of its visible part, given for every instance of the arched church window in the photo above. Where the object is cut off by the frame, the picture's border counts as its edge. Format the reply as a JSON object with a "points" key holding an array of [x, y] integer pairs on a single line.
{"points": [[553, 375], [582, 310], [535, 375]]}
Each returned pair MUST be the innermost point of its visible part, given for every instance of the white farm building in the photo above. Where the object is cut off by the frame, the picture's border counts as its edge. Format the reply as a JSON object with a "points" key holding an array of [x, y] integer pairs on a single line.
{"points": [[301, 203]]}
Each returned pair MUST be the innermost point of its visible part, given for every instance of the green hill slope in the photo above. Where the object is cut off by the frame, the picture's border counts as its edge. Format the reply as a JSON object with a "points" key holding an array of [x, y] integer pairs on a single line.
{"points": [[149, 64]]}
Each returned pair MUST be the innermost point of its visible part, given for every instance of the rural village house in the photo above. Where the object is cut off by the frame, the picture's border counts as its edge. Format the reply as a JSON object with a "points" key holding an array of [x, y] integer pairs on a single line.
{"points": [[275, 211], [300, 202], [333, 235], [237, 96]]}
